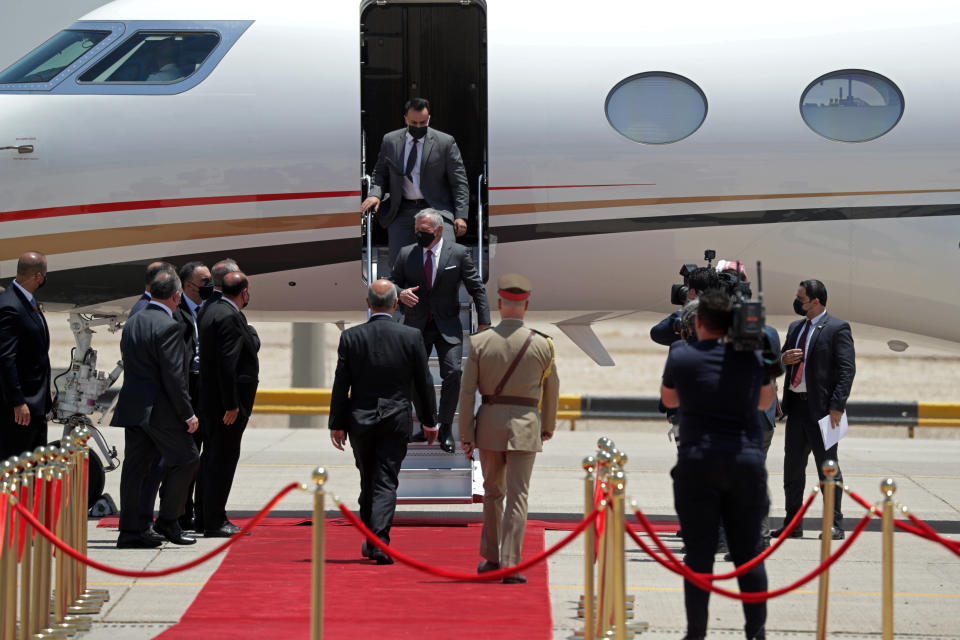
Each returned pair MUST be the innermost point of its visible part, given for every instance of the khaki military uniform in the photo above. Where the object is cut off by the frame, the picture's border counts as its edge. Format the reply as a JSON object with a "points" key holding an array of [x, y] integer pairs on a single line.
{"points": [[508, 435]]}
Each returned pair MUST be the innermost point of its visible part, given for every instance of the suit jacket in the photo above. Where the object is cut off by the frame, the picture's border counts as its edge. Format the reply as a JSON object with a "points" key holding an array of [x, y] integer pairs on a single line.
{"points": [[191, 330], [229, 365], [828, 363], [381, 369], [443, 179], [453, 267], [769, 415], [504, 427], [139, 305], [209, 302], [154, 390], [24, 355]]}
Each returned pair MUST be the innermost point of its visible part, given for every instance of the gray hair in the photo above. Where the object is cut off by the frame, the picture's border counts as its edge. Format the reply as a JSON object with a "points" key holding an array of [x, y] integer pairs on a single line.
{"points": [[380, 302], [436, 220], [164, 285], [222, 268]]}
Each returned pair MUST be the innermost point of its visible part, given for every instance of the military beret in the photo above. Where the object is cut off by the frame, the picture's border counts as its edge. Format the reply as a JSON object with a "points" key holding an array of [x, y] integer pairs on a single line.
{"points": [[513, 286]]}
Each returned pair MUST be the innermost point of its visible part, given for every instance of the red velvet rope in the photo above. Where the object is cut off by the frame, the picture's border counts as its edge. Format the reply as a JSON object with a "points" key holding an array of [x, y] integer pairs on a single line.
{"points": [[673, 564], [453, 575], [747, 566], [76, 555], [57, 496], [3, 522], [922, 529]]}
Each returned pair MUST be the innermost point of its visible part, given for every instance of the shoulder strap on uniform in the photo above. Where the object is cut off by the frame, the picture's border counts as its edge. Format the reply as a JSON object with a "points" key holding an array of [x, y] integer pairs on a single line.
{"points": [[513, 365]]}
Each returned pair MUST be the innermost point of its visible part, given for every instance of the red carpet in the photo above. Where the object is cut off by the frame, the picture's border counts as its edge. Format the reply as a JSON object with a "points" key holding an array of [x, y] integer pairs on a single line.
{"points": [[262, 590]]}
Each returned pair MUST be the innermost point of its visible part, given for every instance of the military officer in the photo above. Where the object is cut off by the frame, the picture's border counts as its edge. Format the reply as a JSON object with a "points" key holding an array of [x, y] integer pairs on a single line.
{"points": [[514, 369]]}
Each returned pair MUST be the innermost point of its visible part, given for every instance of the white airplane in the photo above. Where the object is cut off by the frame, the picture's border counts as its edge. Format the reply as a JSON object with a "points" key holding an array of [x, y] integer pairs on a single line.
{"points": [[608, 144]]}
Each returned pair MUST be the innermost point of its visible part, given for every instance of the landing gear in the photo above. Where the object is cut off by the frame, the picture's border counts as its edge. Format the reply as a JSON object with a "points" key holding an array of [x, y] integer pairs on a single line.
{"points": [[80, 392]]}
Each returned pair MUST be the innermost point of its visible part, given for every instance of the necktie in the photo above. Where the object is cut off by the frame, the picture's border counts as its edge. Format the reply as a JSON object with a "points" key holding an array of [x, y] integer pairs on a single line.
{"points": [[411, 161], [428, 274], [428, 269], [802, 345]]}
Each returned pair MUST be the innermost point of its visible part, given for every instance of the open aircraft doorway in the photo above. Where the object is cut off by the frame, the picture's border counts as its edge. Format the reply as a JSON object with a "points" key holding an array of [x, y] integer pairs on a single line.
{"points": [[437, 51]]}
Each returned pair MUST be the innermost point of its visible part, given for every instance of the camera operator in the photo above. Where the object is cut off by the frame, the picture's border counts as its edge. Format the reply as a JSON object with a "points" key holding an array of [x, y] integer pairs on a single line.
{"points": [[667, 331], [720, 474]]}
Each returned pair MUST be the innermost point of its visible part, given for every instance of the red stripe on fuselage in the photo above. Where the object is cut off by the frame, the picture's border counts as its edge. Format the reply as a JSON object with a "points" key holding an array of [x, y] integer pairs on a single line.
{"points": [[113, 207], [575, 186]]}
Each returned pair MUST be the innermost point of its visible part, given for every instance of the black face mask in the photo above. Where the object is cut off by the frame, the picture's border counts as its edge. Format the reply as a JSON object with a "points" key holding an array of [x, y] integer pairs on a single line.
{"points": [[425, 238], [417, 132], [205, 291], [798, 307]]}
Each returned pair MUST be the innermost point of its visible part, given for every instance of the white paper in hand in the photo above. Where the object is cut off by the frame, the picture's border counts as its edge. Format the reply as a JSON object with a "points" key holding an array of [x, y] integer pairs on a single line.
{"points": [[831, 435]]}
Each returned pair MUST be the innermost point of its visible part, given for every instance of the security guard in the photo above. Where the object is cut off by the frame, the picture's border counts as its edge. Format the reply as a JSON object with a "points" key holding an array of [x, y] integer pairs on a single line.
{"points": [[515, 371]]}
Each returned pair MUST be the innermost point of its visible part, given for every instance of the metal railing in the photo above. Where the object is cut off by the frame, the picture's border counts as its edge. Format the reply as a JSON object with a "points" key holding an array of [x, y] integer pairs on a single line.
{"points": [[575, 407]]}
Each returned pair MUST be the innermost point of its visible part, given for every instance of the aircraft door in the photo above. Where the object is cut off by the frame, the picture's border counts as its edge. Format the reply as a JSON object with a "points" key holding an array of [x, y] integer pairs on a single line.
{"points": [[435, 51]]}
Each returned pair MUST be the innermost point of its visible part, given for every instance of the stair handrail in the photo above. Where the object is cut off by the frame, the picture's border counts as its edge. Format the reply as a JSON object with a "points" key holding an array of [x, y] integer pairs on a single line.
{"points": [[480, 180]]}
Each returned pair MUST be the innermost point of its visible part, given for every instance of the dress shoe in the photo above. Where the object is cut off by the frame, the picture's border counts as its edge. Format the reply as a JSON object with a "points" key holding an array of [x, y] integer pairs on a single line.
{"points": [[796, 533], [226, 530], [172, 532], [150, 534], [517, 578], [835, 534], [380, 557], [138, 540], [445, 438], [487, 566]]}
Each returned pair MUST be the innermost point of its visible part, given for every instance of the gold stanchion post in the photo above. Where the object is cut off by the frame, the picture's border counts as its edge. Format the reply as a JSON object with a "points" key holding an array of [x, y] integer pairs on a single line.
{"points": [[826, 536], [888, 487], [316, 584], [80, 490], [28, 483], [619, 480], [8, 560], [589, 549]]}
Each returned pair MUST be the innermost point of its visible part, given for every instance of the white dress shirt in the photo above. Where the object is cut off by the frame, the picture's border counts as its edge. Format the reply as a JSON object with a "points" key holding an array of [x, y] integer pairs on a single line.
{"points": [[411, 189], [436, 257], [802, 387]]}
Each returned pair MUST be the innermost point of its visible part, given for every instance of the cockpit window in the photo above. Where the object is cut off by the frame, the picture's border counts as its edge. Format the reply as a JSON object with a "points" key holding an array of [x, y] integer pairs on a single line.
{"points": [[154, 57], [53, 56]]}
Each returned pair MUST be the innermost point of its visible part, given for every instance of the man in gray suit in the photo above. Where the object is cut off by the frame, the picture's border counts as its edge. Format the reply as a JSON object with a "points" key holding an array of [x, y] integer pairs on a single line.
{"points": [[421, 168], [154, 407]]}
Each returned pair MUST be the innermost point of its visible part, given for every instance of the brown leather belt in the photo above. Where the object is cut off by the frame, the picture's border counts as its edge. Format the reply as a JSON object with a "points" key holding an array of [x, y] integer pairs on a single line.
{"points": [[514, 400]]}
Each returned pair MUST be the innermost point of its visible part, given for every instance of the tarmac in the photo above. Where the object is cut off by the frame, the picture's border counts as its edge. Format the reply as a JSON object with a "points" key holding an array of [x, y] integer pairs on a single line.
{"points": [[927, 576]]}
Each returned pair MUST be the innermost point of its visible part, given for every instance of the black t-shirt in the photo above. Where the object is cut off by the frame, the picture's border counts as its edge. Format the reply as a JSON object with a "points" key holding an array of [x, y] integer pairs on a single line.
{"points": [[718, 388]]}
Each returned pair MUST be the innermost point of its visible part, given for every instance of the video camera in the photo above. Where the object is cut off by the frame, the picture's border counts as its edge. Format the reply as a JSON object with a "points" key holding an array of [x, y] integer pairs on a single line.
{"points": [[747, 315], [679, 292]]}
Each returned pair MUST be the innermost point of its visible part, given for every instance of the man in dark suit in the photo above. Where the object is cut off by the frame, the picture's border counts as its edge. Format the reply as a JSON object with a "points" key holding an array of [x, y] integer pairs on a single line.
{"points": [[195, 277], [24, 360], [152, 270], [229, 374], [214, 290], [428, 276], [821, 365], [420, 167], [154, 407], [379, 363]]}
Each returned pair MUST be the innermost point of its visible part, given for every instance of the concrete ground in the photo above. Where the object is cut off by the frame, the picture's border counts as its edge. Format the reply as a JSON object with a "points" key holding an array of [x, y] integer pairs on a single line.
{"points": [[927, 577]]}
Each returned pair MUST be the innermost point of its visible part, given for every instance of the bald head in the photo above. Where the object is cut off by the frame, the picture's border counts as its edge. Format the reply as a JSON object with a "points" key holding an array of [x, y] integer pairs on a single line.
{"points": [[382, 297], [236, 288], [32, 270]]}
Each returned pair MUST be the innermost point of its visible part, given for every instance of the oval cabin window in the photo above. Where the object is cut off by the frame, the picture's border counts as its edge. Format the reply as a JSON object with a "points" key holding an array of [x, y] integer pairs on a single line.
{"points": [[851, 105], [656, 107]]}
